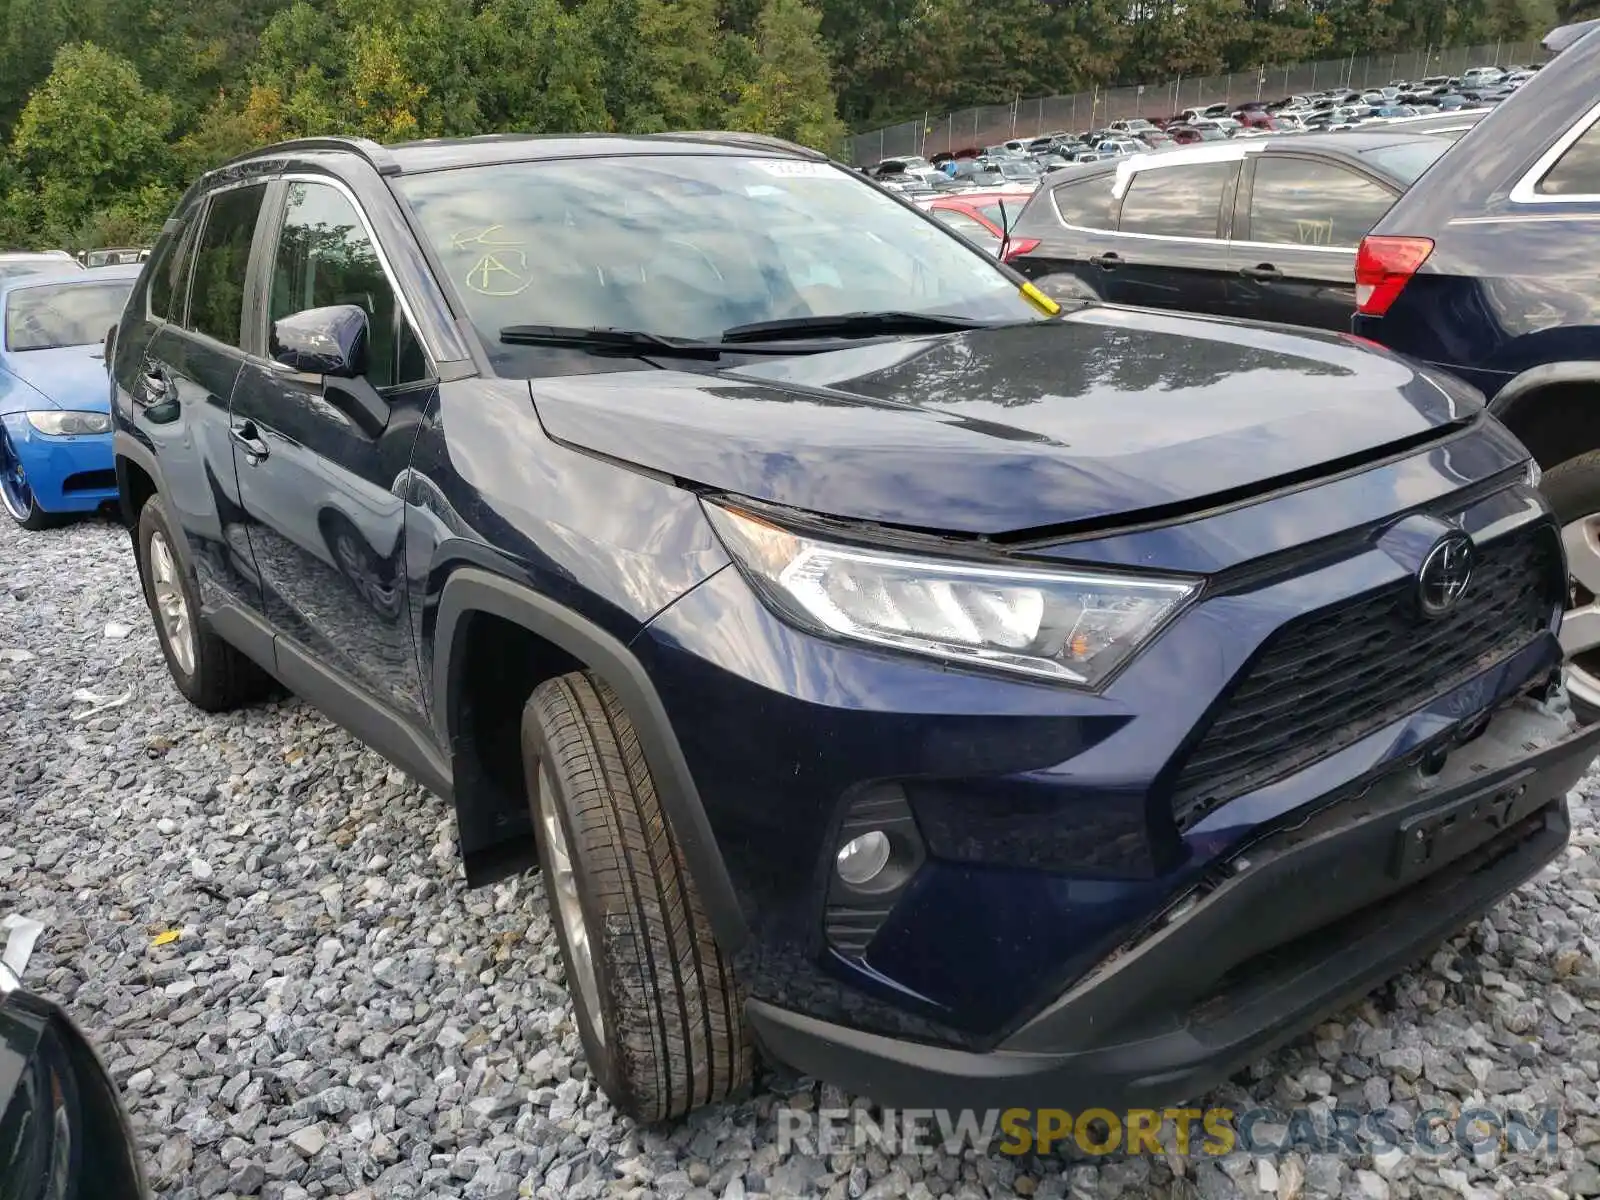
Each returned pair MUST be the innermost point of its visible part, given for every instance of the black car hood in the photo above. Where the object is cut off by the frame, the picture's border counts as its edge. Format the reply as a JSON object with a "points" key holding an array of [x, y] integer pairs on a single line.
{"points": [[1100, 415]]}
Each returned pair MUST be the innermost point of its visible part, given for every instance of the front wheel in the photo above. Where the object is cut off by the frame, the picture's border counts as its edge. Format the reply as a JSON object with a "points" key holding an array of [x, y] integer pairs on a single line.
{"points": [[15, 494], [657, 1007], [1573, 490]]}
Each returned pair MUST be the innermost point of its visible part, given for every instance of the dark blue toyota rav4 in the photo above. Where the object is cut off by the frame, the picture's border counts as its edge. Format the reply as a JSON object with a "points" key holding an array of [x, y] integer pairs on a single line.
{"points": [[964, 700]]}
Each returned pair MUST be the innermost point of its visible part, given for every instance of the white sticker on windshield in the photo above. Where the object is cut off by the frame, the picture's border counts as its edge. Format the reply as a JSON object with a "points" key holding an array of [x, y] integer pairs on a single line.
{"points": [[811, 170], [762, 189]]}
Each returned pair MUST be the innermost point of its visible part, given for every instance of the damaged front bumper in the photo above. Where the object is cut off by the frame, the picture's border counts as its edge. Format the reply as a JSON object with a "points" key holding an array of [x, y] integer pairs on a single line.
{"points": [[1293, 927]]}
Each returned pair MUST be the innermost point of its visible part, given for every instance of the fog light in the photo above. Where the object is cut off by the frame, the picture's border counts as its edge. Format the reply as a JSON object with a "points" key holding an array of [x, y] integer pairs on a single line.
{"points": [[862, 859]]}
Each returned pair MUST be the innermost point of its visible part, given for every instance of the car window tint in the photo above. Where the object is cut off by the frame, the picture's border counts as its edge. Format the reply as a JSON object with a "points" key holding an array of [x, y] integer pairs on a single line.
{"points": [[221, 261], [63, 314], [1086, 202], [170, 269], [1176, 201], [1577, 172], [1298, 202], [325, 257]]}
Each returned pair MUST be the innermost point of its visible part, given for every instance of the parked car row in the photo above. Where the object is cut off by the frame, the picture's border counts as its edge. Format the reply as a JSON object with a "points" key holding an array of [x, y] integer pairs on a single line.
{"points": [[1465, 248]]}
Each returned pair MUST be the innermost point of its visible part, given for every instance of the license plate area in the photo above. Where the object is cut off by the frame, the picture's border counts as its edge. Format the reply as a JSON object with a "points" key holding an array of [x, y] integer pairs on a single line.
{"points": [[1428, 840]]}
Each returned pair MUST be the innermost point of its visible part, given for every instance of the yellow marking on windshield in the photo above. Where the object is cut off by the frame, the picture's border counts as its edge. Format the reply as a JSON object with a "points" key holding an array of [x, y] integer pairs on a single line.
{"points": [[1039, 300], [463, 238], [490, 276]]}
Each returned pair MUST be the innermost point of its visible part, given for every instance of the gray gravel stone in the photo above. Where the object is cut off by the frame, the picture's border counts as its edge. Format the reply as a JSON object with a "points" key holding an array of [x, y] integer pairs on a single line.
{"points": [[340, 1017]]}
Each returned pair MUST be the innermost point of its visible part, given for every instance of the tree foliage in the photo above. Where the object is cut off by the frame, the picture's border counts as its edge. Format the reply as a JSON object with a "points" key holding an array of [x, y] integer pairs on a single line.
{"points": [[109, 107]]}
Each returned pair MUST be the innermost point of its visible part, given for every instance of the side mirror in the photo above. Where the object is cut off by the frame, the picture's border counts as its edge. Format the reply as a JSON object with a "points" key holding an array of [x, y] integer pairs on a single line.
{"points": [[63, 1130], [323, 341]]}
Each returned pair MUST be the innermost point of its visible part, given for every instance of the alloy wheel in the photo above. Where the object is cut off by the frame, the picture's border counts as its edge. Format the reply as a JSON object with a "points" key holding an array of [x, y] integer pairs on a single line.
{"points": [[561, 886], [1580, 628], [14, 490], [172, 607]]}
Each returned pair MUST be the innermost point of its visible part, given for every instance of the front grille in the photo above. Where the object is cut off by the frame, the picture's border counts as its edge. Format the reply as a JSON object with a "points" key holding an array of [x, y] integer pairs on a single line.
{"points": [[1326, 680]]}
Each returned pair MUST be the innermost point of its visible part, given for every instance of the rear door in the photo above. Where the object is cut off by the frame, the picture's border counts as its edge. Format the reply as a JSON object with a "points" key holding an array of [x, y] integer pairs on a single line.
{"points": [[1169, 250], [181, 388], [1297, 224]]}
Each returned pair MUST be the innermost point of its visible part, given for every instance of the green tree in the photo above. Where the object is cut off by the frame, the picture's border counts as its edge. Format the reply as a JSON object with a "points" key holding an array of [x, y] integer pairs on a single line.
{"points": [[538, 69], [90, 131], [791, 93], [680, 50]]}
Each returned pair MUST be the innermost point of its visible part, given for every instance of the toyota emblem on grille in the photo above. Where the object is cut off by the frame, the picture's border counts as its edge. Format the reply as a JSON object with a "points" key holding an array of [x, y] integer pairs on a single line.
{"points": [[1445, 573]]}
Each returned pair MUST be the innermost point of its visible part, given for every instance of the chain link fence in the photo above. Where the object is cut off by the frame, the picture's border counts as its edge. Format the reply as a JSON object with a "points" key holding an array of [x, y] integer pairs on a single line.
{"points": [[1095, 109]]}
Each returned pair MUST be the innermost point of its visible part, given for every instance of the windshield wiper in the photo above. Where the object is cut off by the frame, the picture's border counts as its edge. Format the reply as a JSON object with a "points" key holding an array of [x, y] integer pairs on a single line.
{"points": [[628, 342], [856, 324]]}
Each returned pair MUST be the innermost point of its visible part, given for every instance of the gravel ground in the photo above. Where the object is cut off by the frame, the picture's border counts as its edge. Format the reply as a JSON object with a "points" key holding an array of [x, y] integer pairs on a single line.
{"points": [[339, 1016]]}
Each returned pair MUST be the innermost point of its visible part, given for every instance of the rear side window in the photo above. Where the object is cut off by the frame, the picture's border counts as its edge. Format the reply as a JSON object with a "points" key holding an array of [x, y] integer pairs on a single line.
{"points": [[170, 269], [1085, 202], [221, 261], [1577, 172], [1177, 201], [1299, 202]]}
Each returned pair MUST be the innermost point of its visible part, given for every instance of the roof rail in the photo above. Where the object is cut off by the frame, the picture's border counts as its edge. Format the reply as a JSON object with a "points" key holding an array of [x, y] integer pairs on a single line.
{"points": [[380, 158], [752, 141]]}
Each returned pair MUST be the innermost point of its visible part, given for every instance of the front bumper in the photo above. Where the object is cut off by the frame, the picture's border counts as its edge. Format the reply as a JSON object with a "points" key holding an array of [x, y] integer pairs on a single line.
{"points": [[65, 474], [1287, 931]]}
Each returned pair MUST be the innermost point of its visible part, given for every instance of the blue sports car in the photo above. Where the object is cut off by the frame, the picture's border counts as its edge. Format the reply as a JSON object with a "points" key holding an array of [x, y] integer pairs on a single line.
{"points": [[55, 417]]}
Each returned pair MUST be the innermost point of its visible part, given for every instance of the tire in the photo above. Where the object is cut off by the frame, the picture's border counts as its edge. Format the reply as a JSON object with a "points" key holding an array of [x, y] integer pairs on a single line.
{"points": [[670, 1032], [211, 674], [1573, 490], [17, 498]]}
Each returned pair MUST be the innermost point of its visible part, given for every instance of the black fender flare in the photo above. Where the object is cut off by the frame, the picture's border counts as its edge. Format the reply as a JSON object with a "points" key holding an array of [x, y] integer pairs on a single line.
{"points": [[127, 448], [472, 589], [1521, 391]]}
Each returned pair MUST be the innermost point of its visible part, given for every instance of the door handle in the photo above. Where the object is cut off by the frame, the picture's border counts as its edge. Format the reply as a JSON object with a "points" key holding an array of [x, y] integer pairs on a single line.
{"points": [[248, 438], [1108, 261], [1266, 272]]}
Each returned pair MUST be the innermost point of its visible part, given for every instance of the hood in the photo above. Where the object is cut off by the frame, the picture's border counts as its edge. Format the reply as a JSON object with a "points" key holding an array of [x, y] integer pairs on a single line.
{"points": [[69, 376], [1100, 416]]}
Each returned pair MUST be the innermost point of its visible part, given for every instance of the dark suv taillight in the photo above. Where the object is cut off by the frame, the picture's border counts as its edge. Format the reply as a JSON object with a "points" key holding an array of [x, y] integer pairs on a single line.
{"points": [[1384, 265]]}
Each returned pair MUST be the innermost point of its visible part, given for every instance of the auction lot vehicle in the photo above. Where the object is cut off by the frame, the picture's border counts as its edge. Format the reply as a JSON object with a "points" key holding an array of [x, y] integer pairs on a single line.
{"points": [[55, 411], [969, 702], [1482, 270], [1263, 229]]}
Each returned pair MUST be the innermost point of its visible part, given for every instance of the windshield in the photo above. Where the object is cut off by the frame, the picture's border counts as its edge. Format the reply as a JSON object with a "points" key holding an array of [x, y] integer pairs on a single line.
{"points": [[690, 245], [63, 314], [1408, 160]]}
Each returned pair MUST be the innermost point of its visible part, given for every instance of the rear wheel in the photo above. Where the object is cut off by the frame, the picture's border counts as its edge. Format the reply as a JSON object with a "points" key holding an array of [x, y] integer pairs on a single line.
{"points": [[15, 494], [657, 1007], [210, 673], [1573, 489]]}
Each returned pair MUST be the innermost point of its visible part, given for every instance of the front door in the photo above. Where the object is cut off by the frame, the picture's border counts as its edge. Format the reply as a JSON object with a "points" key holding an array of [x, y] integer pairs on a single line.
{"points": [[322, 478], [1296, 230]]}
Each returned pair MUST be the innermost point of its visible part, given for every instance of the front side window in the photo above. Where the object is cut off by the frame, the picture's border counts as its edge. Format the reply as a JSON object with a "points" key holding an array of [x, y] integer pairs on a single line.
{"points": [[221, 263], [1299, 202], [1577, 171], [326, 257], [1177, 201], [63, 314], [1086, 203], [689, 246]]}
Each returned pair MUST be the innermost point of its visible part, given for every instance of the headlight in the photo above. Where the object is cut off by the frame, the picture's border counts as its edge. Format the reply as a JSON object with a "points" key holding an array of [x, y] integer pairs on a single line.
{"points": [[1069, 626], [56, 423]]}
